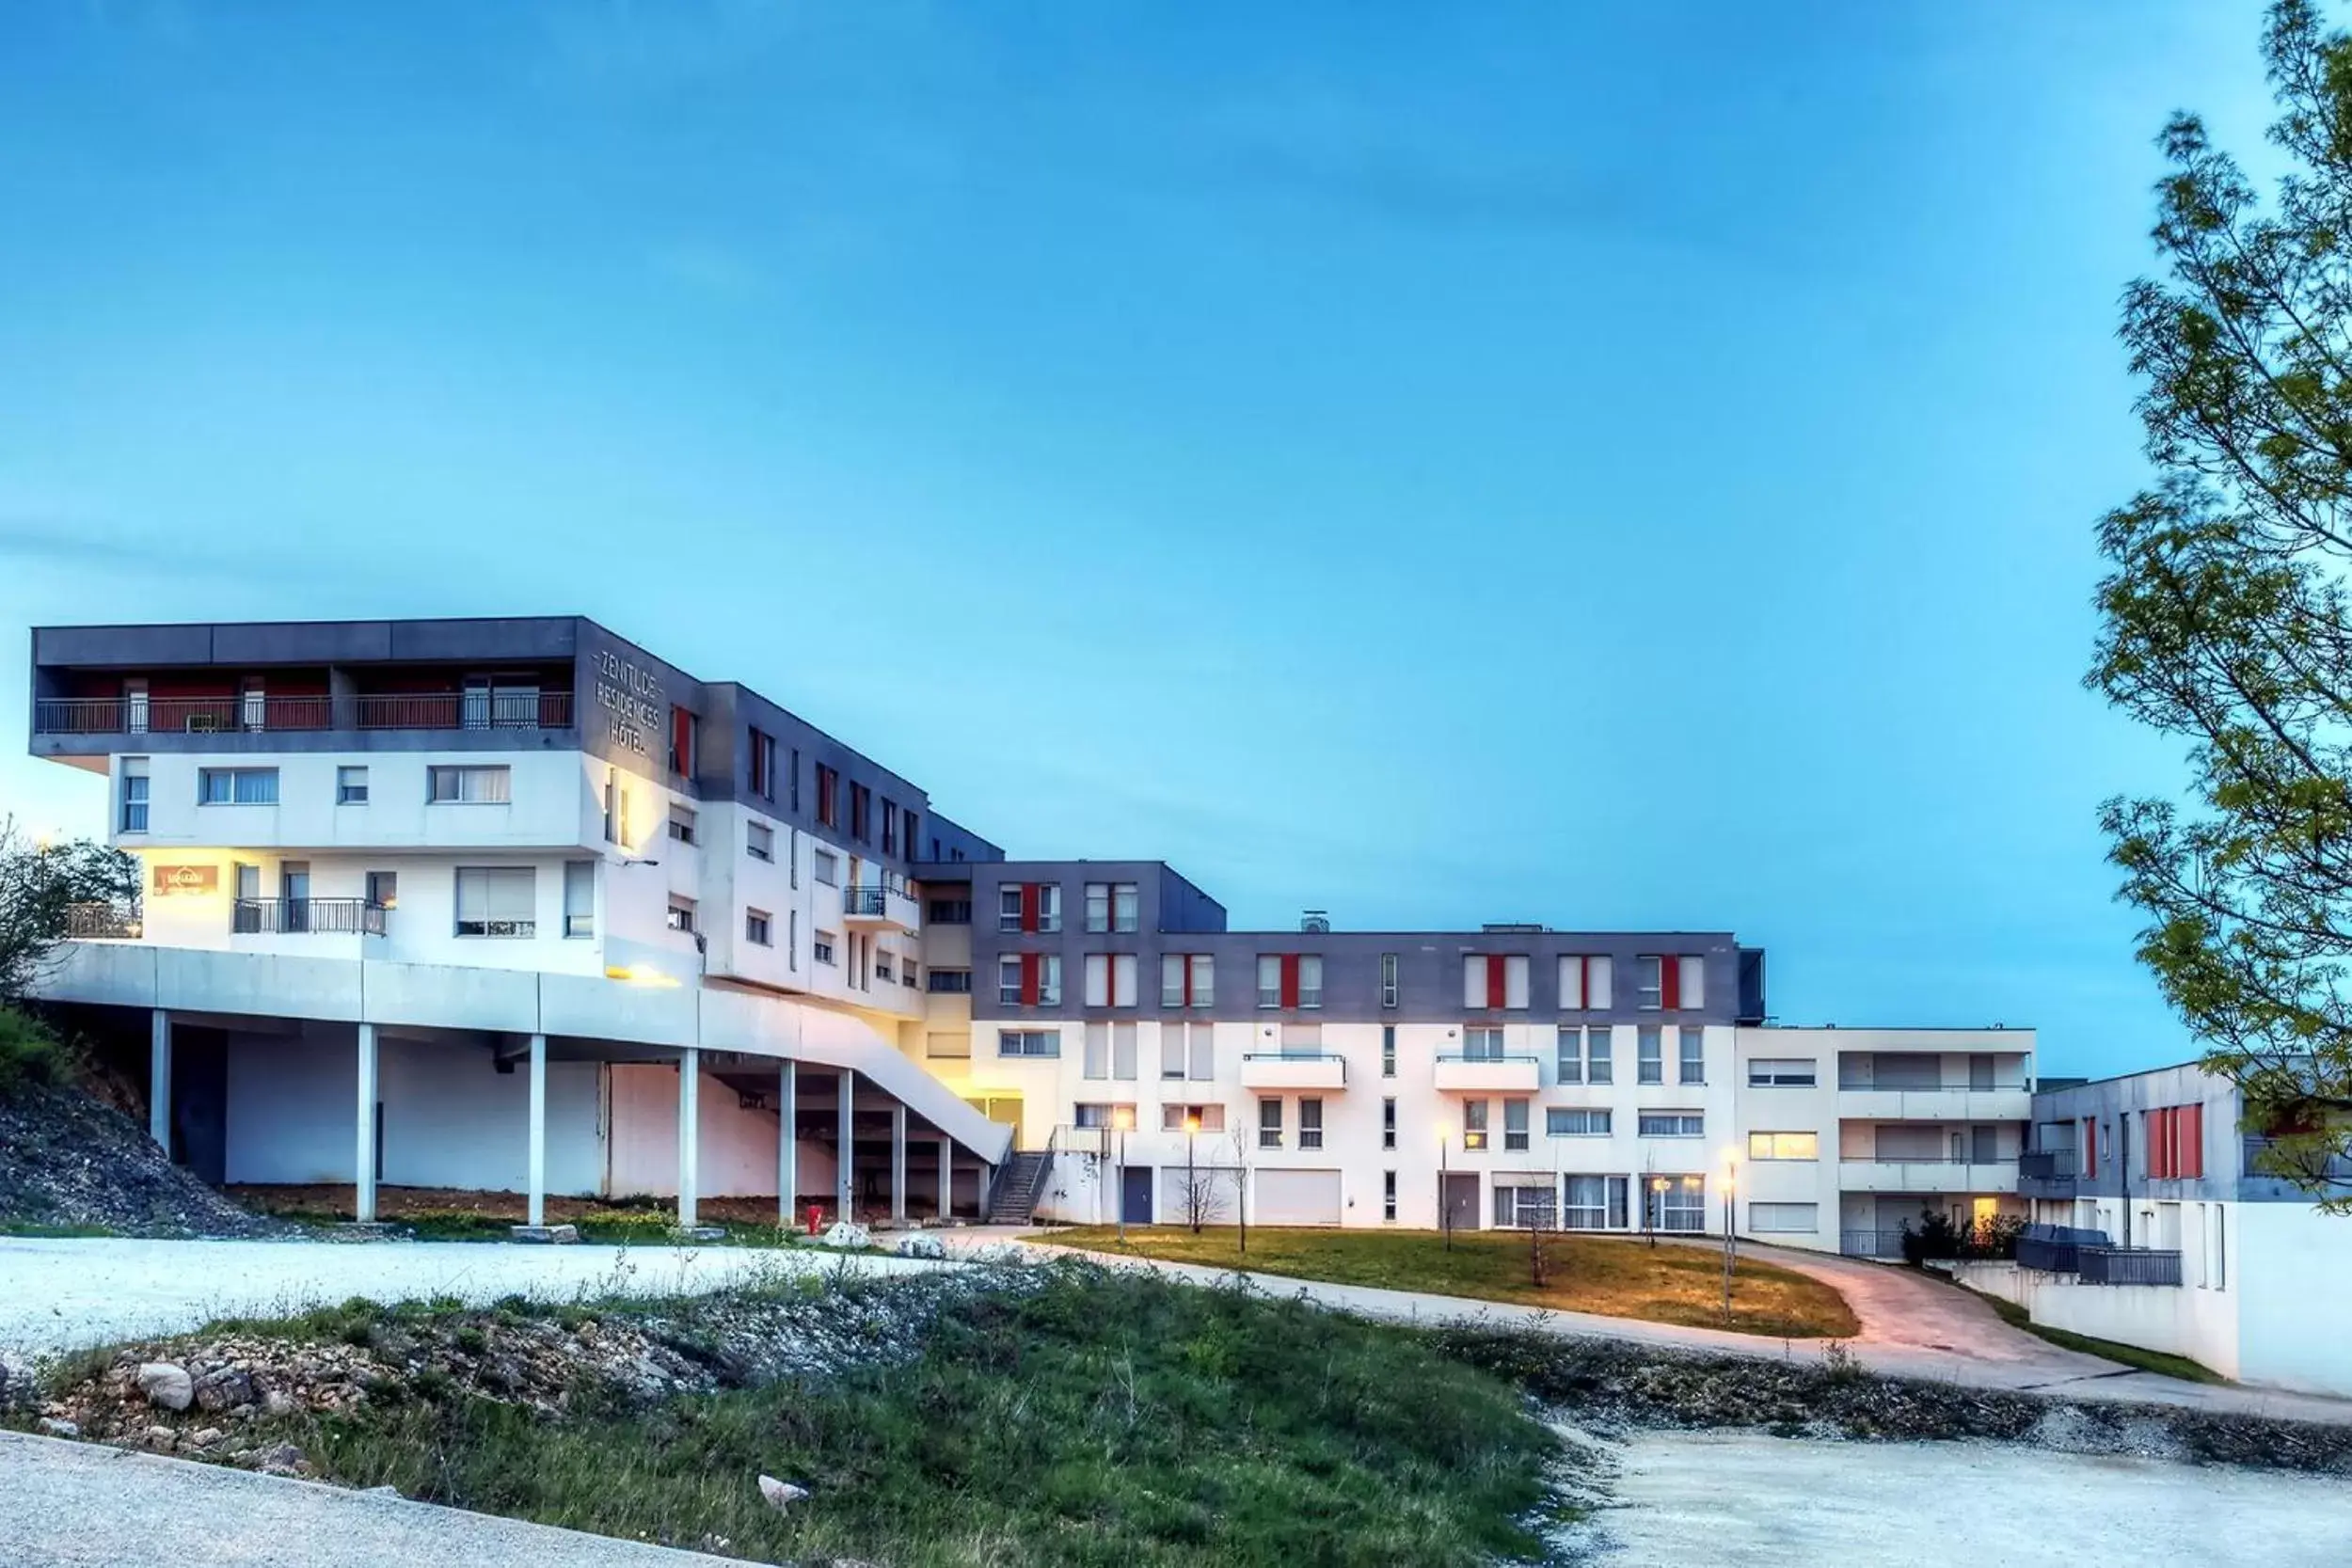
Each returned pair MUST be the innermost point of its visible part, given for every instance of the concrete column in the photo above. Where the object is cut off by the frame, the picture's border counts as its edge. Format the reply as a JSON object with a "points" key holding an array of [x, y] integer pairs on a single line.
{"points": [[538, 1130], [159, 1082], [947, 1177], [787, 1139], [842, 1188], [897, 1165], [363, 1186], [690, 1135]]}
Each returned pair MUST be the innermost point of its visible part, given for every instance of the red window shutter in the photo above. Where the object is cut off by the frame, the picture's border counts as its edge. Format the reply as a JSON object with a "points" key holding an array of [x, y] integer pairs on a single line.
{"points": [[1030, 964], [2160, 1146], [1494, 981], [1029, 902], [2193, 1161], [1289, 979], [1670, 982], [679, 720]]}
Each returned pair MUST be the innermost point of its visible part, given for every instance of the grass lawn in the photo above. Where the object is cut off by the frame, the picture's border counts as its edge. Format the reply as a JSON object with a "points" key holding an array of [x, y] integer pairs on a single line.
{"points": [[1103, 1420], [2130, 1356], [1613, 1277], [441, 1214]]}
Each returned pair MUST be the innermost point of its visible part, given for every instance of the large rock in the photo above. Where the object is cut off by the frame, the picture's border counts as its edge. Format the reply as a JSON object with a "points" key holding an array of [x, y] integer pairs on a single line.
{"points": [[224, 1390], [780, 1494], [166, 1387], [846, 1233], [920, 1245]]}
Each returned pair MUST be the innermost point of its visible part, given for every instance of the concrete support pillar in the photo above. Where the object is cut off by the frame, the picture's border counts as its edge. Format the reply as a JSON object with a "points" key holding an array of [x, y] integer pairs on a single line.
{"points": [[947, 1177], [787, 1139], [538, 1130], [897, 1165], [159, 1082], [690, 1135], [363, 1184], [842, 1188]]}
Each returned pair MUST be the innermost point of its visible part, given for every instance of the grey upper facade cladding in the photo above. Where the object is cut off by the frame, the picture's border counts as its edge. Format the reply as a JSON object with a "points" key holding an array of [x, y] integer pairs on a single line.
{"points": [[2120, 1109], [1175, 917]]}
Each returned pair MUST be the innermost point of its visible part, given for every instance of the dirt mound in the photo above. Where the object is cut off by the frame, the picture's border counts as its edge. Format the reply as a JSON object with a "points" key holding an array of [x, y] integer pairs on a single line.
{"points": [[68, 1160]]}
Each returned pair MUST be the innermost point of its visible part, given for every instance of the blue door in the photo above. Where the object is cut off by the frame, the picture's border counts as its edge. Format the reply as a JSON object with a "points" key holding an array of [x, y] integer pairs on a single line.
{"points": [[1135, 1195]]}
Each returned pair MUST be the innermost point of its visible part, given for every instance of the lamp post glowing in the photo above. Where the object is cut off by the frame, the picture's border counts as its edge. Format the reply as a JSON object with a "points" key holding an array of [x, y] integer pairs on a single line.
{"points": [[1193, 1203], [1121, 1119], [1731, 1239]]}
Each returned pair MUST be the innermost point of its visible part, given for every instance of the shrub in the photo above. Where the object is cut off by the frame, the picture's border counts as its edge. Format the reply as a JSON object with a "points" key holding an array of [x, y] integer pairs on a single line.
{"points": [[29, 1052]]}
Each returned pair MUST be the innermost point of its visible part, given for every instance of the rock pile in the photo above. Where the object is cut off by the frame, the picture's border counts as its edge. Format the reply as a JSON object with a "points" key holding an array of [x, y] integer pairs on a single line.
{"points": [[67, 1159]]}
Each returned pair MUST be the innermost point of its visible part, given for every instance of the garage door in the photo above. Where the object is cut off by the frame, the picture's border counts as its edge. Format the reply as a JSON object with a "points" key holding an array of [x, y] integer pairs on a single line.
{"points": [[1297, 1198]]}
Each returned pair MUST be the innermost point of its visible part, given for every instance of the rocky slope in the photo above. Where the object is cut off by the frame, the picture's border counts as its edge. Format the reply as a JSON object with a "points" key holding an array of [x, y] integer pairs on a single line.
{"points": [[68, 1160]]}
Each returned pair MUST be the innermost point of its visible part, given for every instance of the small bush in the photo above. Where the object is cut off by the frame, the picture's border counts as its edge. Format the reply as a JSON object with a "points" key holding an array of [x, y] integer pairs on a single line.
{"points": [[30, 1053]]}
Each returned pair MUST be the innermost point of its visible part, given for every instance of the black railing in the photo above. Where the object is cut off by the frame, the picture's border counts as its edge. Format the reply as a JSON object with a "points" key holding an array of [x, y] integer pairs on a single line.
{"points": [[321, 916], [1248, 1056], [2320, 1172], [1953, 1086], [2047, 1255], [101, 923], [2102, 1265], [434, 710], [869, 900], [2049, 1164]]}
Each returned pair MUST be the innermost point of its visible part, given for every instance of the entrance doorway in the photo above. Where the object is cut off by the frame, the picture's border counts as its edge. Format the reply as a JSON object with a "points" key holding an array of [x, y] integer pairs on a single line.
{"points": [[1458, 1196], [1135, 1195]]}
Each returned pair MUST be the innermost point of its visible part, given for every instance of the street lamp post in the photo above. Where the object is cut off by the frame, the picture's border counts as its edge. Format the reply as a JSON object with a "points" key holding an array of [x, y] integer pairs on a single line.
{"points": [[1731, 1238]]}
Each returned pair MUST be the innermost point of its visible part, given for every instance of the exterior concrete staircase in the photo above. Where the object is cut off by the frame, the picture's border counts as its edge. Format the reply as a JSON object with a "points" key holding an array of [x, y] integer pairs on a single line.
{"points": [[1013, 1199]]}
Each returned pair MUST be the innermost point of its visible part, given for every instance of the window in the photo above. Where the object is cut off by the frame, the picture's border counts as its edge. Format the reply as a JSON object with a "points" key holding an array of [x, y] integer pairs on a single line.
{"points": [[236, 786], [612, 823], [890, 826], [1669, 982], [1110, 979], [913, 842], [1584, 982], [792, 939], [1784, 1145], [683, 826], [1568, 1122], [1681, 1202], [1387, 1051], [1571, 1051], [497, 901], [1691, 1067], [1492, 980], [1309, 1123], [1028, 1042], [1388, 1194], [792, 782], [757, 928], [1029, 979], [1649, 983], [1290, 980], [1598, 1067], [828, 796], [1513, 1125], [861, 813], [580, 899], [1269, 1124], [134, 795], [383, 889], [948, 912], [820, 947], [1187, 980], [2176, 1142], [470, 785], [682, 738], [1111, 906], [1473, 1124], [1202, 1119], [1387, 1123], [1387, 984], [1780, 1072], [350, 786], [1673, 1124], [1482, 1043], [1189, 1051], [681, 915], [825, 866], [950, 982], [1525, 1208], [1649, 1063], [1777, 1219], [759, 841], [763, 765], [885, 965], [1028, 906], [1592, 1203]]}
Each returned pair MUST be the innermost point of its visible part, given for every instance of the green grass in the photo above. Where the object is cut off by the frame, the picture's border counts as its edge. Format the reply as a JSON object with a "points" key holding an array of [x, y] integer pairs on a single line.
{"points": [[1618, 1277], [30, 1053], [43, 1228], [2155, 1361], [1101, 1421], [432, 1215]]}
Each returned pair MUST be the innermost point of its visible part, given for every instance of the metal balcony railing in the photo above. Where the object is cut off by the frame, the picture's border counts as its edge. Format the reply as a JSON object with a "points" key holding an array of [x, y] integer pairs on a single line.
{"points": [[101, 923], [2049, 1164], [1926, 1159], [1486, 1056], [1934, 1085], [2047, 1255], [867, 900], [320, 916], [2101, 1265], [254, 713]]}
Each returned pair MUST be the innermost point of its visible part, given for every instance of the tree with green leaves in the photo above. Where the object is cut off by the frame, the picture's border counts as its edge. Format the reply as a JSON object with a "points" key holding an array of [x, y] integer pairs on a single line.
{"points": [[2224, 616], [43, 889]]}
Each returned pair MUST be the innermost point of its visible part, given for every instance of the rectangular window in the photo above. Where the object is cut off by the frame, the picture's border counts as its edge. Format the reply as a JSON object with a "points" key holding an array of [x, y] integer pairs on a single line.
{"points": [[890, 826], [1669, 982], [820, 947], [1110, 906], [1649, 1062], [1673, 1124], [1388, 1194], [759, 841], [1096, 1058], [950, 982], [1592, 1203], [755, 928], [350, 786], [1781, 1219], [1187, 1050], [383, 889], [1028, 906], [470, 785], [1290, 980], [763, 765], [681, 913], [1387, 1051], [1513, 1125], [682, 736], [1784, 1145], [1387, 1123], [580, 899], [1309, 981], [1482, 1043], [948, 912], [1473, 1124], [1681, 1203], [1187, 980], [236, 786], [684, 827], [134, 798], [1584, 981], [1309, 1123], [1569, 1050], [828, 796], [861, 813], [825, 866], [1028, 1042], [1599, 1066], [1494, 980], [1192, 1118], [1110, 979], [1525, 1208], [792, 939], [1783, 1073], [497, 901], [1691, 1067], [1269, 1124], [1029, 979], [1388, 981], [1649, 982], [1570, 1121]]}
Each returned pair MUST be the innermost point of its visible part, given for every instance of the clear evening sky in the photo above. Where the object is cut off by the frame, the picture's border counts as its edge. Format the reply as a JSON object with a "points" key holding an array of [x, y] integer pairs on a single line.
{"points": [[1615, 466]]}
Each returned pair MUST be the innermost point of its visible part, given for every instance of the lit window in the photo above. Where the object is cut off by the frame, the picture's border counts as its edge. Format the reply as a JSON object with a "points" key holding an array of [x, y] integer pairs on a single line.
{"points": [[1784, 1145]]}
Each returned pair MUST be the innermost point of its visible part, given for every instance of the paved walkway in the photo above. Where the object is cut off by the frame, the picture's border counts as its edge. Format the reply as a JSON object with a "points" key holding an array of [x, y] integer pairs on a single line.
{"points": [[81, 1505]]}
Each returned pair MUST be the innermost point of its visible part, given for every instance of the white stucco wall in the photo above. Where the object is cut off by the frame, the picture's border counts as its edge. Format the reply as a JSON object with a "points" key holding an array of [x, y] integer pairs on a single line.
{"points": [[738, 1150], [2293, 1270]]}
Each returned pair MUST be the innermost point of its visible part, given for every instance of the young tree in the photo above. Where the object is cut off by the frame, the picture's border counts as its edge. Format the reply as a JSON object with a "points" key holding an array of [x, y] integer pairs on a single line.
{"points": [[41, 885], [2225, 616]]}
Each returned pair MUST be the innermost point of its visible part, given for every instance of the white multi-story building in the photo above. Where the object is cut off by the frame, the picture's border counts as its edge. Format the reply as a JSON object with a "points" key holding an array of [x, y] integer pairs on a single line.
{"points": [[515, 905]]}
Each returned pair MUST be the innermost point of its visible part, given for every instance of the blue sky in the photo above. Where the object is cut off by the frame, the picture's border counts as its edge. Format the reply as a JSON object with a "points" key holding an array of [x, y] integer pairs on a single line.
{"points": [[1614, 465]]}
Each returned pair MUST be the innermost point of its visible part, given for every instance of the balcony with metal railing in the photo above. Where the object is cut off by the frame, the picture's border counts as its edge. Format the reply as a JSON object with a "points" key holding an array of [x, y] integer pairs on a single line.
{"points": [[1925, 1174], [252, 713], [2109, 1265], [887, 905], [2048, 1173], [1294, 1069], [1471, 1073], [357, 917]]}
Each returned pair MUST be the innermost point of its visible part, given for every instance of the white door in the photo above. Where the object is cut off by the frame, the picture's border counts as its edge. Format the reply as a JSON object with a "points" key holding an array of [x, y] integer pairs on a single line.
{"points": [[1296, 1197]]}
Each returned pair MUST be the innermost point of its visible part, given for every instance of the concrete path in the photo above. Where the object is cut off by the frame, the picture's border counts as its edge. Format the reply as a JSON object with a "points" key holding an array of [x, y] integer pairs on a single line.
{"points": [[79, 1505]]}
